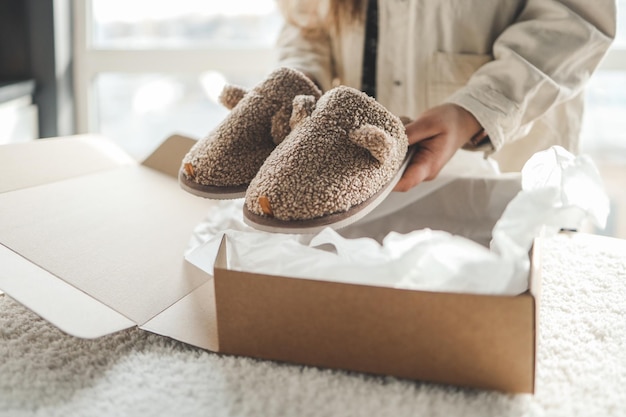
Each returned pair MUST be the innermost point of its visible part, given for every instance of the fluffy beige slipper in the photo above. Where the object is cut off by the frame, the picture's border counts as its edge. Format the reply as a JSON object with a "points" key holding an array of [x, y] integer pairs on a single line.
{"points": [[344, 155], [221, 165]]}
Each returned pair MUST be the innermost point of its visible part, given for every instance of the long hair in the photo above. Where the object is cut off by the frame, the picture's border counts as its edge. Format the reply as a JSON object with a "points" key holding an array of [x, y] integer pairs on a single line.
{"points": [[345, 11], [311, 19]]}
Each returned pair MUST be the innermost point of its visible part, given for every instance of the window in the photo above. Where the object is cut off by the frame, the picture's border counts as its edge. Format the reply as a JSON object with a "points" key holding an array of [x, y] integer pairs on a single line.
{"points": [[606, 98], [145, 69], [604, 126]]}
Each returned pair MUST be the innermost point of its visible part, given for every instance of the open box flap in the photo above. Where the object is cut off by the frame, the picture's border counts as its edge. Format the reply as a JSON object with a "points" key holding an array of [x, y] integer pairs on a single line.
{"points": [[166, 158], [68, 308], [534, 283], [116, 234], [45, 161], [191, 320]]}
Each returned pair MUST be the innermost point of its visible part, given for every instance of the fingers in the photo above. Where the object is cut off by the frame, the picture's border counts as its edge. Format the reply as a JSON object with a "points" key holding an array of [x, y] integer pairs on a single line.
{"points": [[413, 175], [422, 128], [437, 134], [420, 169], [421, 134]]}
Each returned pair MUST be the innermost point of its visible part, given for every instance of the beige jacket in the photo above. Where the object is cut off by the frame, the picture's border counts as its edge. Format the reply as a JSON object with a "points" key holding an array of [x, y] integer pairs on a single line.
{"points": [[518, 66]]}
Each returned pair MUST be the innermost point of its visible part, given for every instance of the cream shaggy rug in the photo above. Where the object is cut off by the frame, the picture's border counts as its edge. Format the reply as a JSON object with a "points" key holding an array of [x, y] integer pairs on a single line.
{"points": [[581, 369]]}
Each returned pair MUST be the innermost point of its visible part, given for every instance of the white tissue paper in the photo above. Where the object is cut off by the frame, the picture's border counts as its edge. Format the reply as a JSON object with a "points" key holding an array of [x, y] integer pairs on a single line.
{"points": [[558, 191]]}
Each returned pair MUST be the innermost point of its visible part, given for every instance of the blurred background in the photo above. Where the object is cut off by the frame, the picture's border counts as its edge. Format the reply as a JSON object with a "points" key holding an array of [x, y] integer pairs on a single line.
{"points": [[147, 103], [137, 71]]}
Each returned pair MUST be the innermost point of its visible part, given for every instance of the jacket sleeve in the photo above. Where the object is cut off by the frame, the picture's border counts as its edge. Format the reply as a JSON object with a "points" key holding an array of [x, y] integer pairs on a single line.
{"points": [[544, 58], [306, 48]]}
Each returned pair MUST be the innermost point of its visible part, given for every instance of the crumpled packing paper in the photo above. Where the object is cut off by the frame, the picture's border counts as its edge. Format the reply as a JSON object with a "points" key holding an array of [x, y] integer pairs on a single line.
{"points": [[558, 191]]}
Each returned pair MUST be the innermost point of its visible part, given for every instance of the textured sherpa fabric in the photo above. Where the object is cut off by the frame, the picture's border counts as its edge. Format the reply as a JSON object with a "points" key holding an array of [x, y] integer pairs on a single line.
{"points": [[234, 151], [338, 155]]}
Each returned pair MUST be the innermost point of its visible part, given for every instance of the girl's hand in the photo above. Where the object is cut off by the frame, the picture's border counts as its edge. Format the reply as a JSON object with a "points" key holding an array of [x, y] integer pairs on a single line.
{"points": [[437, 134]]}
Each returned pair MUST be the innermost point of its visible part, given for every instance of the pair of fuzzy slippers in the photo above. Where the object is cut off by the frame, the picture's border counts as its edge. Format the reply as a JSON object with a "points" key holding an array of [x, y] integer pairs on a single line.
{"points": [[302, 160]]}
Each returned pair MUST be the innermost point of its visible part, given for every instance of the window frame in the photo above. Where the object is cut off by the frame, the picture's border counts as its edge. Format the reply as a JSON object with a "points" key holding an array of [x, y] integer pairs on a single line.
{"points": [[90, 61]]}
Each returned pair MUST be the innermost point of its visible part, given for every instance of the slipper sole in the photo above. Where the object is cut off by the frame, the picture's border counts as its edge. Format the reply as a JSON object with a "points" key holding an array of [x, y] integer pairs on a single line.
{"points": [[211, 191], [335, 221]]}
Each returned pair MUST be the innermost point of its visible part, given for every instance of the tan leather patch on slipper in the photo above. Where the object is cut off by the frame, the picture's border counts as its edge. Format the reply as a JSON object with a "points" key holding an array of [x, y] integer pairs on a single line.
{"points": [[264, 202], [189, 170]]}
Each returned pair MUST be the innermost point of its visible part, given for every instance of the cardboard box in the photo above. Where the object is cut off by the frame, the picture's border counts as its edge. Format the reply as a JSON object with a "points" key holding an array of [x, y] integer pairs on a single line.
{"points": [[93, 242]]}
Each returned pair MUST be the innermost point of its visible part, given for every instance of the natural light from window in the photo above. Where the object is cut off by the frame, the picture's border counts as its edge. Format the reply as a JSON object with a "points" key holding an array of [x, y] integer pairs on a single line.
{"points": [[183, 23]]}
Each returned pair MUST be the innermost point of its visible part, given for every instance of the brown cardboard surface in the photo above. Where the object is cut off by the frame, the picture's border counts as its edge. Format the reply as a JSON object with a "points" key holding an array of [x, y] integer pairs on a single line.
{"points": [[469, 340], [166, 158]]}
